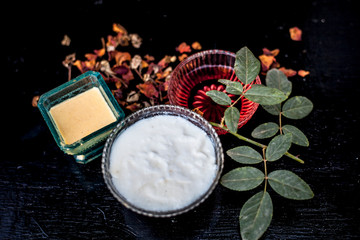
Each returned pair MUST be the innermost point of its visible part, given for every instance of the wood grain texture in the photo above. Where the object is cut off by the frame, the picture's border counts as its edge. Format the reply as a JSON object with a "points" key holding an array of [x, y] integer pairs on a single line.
{"points": [[46, 195]]}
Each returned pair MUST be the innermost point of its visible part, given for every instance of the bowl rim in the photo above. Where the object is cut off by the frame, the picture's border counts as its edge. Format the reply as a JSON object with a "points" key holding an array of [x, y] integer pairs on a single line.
{"points": [[156, 111], [203, 54], [196, 55]]}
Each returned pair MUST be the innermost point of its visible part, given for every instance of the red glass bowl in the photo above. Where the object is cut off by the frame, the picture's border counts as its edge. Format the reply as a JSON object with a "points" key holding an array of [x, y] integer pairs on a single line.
{"points": [[199, 73]]}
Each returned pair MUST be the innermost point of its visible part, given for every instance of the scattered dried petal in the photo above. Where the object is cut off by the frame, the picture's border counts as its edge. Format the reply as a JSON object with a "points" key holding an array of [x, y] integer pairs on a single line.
{"points": [[91, 56], [196, 46], [69, 60], [90, 65], [164, 62], [134, 107], [135, 62], [118, 84], [66, 41], [133, 96], [182, 57], [152, 68], [148, 89], [275, 65], [120, 57], [295, 33], [136, 40], [288, 72], [119, 95], [183, 47], [149, 58], [147, 77], [119, 29], [274, 52], [173, 59], [303, 73], [146, 104], [144, 64], [123, 40], [120, 70], [105, 67], [35, 101], [266, 61], [79, 65], [164, 73], [128, 77], [111, 43], [100, 52], [166, 83]]}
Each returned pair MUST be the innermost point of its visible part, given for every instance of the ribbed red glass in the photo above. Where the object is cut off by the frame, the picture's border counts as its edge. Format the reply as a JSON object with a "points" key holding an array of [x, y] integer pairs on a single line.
{"points": [[199, 73]]}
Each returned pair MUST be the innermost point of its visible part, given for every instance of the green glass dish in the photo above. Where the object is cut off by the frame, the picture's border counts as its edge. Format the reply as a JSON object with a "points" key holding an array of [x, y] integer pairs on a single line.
{"points": [[89, 147]]}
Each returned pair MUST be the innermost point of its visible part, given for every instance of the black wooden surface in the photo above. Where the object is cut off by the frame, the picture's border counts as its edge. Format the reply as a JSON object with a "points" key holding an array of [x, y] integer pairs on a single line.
{"points": [[46, 195]]}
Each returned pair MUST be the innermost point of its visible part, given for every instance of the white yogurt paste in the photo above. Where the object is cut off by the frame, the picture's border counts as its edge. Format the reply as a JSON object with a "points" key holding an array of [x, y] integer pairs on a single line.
{"points": [[162, 163]]}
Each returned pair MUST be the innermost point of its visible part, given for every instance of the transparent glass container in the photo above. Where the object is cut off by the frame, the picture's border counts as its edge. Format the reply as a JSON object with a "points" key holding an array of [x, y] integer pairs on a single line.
{"points": [[149, 112], [199, 73], [89, 147]]}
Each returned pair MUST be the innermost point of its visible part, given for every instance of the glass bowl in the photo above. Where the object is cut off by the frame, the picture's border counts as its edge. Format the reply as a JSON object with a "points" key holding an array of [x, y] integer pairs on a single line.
{"points": [[149, 112], [199, 73], [89, 147]]}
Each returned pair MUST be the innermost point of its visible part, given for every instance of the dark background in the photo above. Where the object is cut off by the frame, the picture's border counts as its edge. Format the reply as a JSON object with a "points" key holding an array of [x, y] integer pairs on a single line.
{"points": [[45, 194]]}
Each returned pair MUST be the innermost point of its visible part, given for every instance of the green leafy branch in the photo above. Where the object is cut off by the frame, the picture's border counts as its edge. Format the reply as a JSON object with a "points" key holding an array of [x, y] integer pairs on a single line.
{"points": [[256, 213]]}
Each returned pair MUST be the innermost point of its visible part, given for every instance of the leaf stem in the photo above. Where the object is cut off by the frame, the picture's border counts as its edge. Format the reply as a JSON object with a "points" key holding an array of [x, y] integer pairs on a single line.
{"points": [[265, 169], [280, 124], [253, 142], [233, 104]]}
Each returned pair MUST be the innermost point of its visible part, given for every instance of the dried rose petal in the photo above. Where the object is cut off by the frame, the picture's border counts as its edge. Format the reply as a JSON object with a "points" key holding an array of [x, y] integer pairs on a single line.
{"points": [[165, 73], [182, 57], [90, 56], [166, 83], [288, 72], [136, 40], [69, 60], [120, 70], [118, 94], [133, 96], [149, 58], [134, 107], [266, 61], [119, 29], [66, 41], [147, 77], [100, 52], [120, 57], [303, 73], [135, 62], [148, 89], [79, 65], [128, 76], [105, 67], [173, 59], [164, 62], [111, 43], [274, 52], [89, 65], [295, 33], [183, 47], [35, 101], [118, 83], [123, 40], [196, 46]]}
